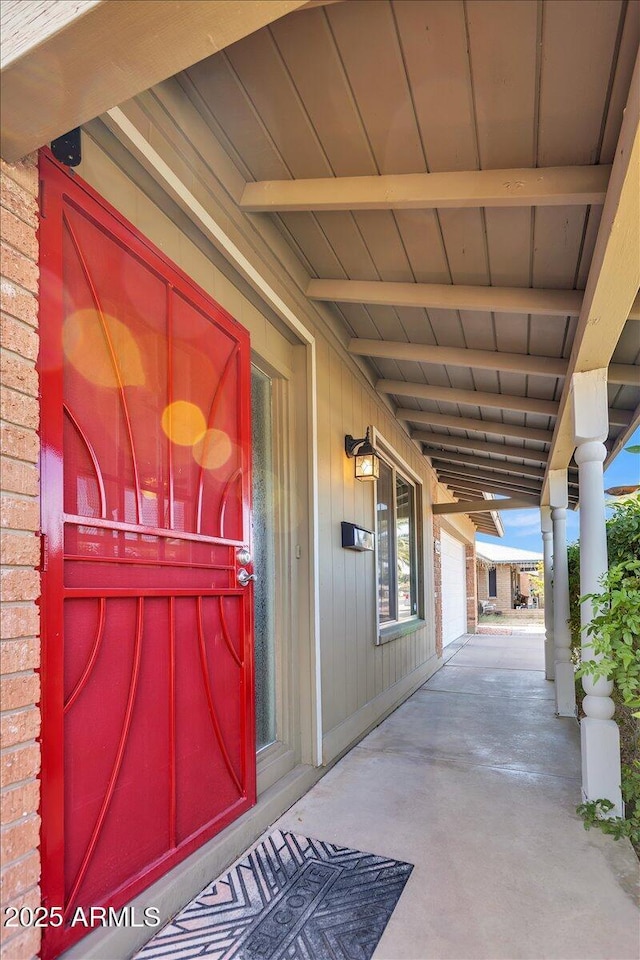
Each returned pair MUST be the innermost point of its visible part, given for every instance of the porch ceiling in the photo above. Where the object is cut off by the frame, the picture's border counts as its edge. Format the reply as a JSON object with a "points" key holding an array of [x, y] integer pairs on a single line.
{"points": [[415, 267], [437, 172]]}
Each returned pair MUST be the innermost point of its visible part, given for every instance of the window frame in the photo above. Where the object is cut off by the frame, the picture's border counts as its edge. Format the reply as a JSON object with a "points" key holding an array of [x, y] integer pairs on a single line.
{"points": [[392, 629]]}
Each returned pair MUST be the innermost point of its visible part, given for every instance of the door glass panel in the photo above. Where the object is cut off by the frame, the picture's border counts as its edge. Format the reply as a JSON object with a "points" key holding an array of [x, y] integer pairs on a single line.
{"points": [[264, 557], [405, 549], [386, 578]]}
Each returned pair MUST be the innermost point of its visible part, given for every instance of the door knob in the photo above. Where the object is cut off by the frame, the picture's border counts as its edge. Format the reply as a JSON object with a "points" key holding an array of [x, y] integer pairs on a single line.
{"points": [[244, 577], [243, 555]]}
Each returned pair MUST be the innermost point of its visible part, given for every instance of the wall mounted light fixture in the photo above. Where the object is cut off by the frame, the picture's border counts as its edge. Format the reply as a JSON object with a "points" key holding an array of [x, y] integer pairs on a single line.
{"points": [[367, 465]]}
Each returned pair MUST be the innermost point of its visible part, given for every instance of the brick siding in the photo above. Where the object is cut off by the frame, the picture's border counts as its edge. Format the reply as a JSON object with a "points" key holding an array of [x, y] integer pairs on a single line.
{"points": [[472, 594], [503, 599], [20, 518]]}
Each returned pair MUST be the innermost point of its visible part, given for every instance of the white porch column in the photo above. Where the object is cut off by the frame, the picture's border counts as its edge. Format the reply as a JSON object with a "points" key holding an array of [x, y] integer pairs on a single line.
{"points": [[563, 667], [547, 554], [600, 737]]}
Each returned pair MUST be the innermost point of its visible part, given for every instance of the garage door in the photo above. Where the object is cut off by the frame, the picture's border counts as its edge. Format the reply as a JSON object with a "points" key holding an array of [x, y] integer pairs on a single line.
{"points": [[454, 588]]}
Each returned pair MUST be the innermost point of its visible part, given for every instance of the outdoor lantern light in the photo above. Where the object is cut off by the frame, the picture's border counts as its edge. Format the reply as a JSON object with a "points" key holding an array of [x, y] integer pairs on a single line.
{"points": [[367, 462]]}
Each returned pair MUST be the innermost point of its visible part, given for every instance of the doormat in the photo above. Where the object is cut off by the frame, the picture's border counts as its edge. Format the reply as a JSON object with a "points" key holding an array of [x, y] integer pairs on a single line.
{"points": [[291, 898]]}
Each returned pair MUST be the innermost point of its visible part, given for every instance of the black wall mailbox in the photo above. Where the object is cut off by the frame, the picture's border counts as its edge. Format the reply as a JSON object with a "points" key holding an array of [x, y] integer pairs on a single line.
{"points": [[356, 538]]}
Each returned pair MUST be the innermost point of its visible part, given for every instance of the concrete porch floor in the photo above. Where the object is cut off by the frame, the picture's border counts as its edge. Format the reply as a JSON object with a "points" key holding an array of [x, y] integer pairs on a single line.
{"points": [[475, 781]]}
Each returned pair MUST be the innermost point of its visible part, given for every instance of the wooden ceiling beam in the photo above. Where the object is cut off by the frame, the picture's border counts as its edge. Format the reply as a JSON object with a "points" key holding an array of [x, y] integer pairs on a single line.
{"points": [[522, 187], [619, 373], [460, 357], [484, 463], [470, 479], [474, 398], [624, 373], [433, 440], [446, 296], [468, 472], [473, 426], [459, 468], [539, 456], [485, 506], [485, 486]]}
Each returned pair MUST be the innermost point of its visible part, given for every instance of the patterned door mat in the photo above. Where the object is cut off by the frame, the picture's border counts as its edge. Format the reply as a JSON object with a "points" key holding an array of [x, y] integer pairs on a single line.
{"points": [[291, 898]]}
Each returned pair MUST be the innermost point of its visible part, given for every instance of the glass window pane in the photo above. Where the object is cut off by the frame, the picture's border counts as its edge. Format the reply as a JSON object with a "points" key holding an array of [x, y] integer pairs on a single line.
{"points": [[263, 558], [386, 529], [405, 549]]}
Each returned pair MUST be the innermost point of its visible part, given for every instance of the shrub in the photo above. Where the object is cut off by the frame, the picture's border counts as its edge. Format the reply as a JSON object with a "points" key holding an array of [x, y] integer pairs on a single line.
{"points": [[614, 636]]}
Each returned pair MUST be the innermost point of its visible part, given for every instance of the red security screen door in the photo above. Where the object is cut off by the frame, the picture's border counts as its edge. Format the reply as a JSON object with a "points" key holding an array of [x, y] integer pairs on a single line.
{"points": [[148, 729]]}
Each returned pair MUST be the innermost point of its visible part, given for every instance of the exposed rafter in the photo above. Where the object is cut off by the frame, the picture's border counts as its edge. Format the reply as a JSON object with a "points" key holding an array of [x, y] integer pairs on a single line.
{"points": [[434, 440], [484, 463], [485, 506], [459, 357], [474, 398], [471, 479], [522, 187], [473, 426], [624, 373], [548, 303], [619, 373], [472, 488]]}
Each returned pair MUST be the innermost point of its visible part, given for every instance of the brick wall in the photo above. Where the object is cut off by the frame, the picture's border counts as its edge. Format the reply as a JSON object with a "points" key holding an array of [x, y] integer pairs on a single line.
{"points": [[437, 583], [482, 582], [504, 592], [20, 551], [472, 594]]}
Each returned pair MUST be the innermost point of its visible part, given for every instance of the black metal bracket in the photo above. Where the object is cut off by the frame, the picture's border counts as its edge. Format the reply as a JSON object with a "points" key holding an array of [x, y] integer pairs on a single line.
{"points": [[67, 149]]}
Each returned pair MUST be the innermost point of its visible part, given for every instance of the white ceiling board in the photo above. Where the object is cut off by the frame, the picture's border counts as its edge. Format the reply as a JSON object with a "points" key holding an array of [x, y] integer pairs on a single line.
{"points": [[422, 238], [229, 105], [341, 230], [509, 242], [574, 86], [465, 245], [622, 79], [380, 234], [311, 57], [558, 234], [270, 89], [502, 42], [417, 325], [307, 233], [512, 332], [434, 42], [382, 93], [478, 329]]}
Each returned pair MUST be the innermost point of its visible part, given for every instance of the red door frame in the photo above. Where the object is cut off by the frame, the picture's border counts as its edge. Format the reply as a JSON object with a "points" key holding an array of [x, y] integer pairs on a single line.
{"points": [[56, 182]]}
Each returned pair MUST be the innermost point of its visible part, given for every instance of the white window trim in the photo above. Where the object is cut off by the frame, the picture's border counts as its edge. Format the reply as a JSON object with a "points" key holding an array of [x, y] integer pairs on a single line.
{"points": [[393, 629]]}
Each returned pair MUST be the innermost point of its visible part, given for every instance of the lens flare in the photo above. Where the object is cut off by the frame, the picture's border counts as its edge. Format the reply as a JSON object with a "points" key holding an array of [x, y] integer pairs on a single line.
{"points": [[213, 449], [102, 352], [183, 422]]}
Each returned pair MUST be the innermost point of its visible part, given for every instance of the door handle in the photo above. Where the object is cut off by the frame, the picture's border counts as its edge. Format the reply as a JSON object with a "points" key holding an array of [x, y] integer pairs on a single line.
{"points": [[244, 577]]}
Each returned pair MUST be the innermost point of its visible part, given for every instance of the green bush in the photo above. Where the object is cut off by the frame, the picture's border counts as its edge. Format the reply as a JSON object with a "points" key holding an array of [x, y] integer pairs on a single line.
{"points": [[614, 636]]}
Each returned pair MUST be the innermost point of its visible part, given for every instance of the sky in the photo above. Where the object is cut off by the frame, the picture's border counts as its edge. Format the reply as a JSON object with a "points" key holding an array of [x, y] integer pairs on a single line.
{"points": [[522, 527]]}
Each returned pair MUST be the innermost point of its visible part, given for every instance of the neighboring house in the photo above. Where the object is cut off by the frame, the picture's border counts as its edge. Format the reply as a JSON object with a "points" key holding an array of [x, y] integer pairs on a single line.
{"points": [[503, 577], [235, 279]]}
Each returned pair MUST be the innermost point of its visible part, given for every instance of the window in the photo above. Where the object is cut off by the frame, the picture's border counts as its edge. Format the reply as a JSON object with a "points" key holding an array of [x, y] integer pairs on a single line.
{"points": [[263, 557], [493, 589], [397, 552]]}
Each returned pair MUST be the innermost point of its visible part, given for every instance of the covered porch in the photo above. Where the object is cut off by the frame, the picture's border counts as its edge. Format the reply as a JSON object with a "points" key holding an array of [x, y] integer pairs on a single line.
{"points": [[420, 218]]}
